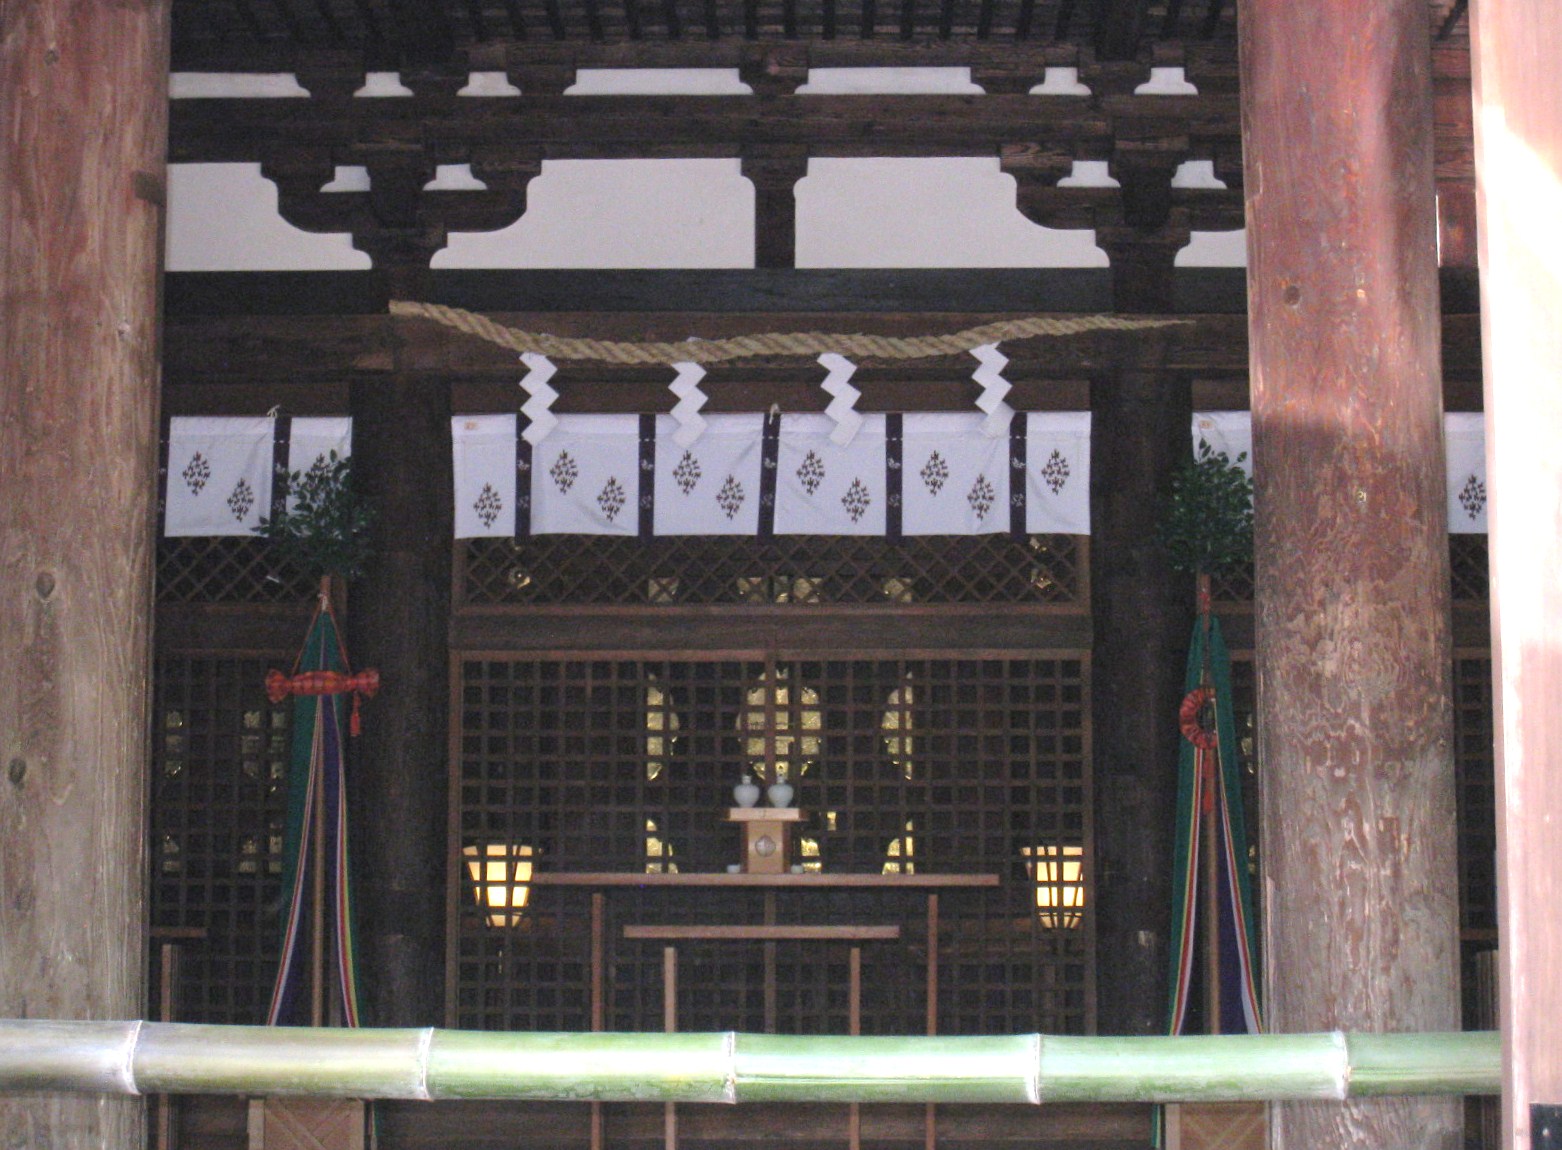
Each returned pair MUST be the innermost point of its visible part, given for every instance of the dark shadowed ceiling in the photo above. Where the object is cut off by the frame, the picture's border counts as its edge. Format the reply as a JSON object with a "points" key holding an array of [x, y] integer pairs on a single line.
{"points": [[249, 35]]}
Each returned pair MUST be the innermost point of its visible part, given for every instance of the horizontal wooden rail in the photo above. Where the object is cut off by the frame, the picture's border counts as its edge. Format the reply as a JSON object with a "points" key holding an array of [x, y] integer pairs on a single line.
{"points": [[765, 933], [804, 880], [182, 1058]]}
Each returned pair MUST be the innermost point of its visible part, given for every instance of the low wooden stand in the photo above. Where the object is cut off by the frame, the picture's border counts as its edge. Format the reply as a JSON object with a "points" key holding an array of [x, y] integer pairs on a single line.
{"points": [[770, 883], [766, 934], [767, 837]]}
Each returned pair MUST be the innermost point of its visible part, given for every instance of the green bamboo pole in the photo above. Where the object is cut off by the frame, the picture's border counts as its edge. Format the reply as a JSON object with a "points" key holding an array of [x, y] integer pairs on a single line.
{"points": [[180, 1058]]}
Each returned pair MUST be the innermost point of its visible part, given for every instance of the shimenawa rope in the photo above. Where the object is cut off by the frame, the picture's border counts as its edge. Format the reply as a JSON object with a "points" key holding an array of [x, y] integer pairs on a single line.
{"points": [[809, 343]]}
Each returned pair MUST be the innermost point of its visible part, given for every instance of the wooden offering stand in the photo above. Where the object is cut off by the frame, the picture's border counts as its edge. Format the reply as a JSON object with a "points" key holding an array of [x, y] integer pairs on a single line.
{"points": [[767, 837]]}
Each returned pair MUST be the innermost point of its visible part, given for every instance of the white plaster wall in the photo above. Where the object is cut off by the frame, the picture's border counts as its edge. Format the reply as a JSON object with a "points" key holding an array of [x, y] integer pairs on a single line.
{"points": [[621, 214], [954, 212], [223, 217], [909, 213]]}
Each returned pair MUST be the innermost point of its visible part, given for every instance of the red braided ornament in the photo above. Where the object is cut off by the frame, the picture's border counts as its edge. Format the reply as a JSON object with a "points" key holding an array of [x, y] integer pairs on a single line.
{"points": [[363, 685], [280, 686], [1188, 716]]}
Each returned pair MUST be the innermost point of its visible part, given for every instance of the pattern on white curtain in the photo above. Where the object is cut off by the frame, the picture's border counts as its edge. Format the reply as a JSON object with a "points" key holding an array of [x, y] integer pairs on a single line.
{"points": [[1057, 473], [311, 440], [484, 451], [711, 487], [221, 470], [956, 477], [913, 474], [1464, 433], [585, 477], [824, 488]]}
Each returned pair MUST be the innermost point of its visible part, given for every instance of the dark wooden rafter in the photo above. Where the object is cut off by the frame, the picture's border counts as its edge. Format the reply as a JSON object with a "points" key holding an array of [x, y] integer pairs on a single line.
{"points": [[251, 21], [333, 27], [424, 36], [474, 13], [369, 17], [555, 14], [517, 18], [294, 23], [1023, 21], [1212, 18], [1065, 20], [1117, 28], [984, 19], [267, 35]]}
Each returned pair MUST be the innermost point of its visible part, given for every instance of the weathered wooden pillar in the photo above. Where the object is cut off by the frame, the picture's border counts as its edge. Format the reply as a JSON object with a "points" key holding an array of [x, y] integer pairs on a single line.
{"points": [[1141, 610], [1518, 152], [1351, 603], [398, 621], [82, 146]]}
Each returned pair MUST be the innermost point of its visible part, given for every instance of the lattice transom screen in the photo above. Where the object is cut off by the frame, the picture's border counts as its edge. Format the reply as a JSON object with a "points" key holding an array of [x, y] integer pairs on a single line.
{"points": [[1474, 759], [219, 770], [970, 766], [786, 569]]}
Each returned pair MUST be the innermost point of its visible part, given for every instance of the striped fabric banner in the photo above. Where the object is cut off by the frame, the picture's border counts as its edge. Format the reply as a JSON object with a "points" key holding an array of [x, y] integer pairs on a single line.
{"points": [[316, 835], [1209, 797]]}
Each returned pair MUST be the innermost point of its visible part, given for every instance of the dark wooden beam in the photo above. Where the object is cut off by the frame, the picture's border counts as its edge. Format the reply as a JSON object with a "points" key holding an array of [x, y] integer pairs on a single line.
{"points": [[82, 193], [969, 290], [226, 130], [1351, 609]]}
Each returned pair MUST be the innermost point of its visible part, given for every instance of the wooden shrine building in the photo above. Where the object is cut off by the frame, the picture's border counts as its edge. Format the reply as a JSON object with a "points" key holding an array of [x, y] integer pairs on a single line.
{"points": [[980, 725]]}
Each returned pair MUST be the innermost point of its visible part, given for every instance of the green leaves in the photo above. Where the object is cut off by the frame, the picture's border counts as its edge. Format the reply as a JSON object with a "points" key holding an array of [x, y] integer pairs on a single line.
{"points": [[324, 526], [1208, 526]]}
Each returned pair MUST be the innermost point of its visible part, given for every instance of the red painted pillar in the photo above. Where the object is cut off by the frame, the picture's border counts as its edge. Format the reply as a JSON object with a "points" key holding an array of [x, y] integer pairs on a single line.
{"points": [[1351, 609], [1518, 153], [83, 88]]}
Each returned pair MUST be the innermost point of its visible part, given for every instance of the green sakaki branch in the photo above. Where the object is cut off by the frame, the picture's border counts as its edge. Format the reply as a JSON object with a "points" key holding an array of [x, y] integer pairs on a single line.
{"points": [[430, 1064]]}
